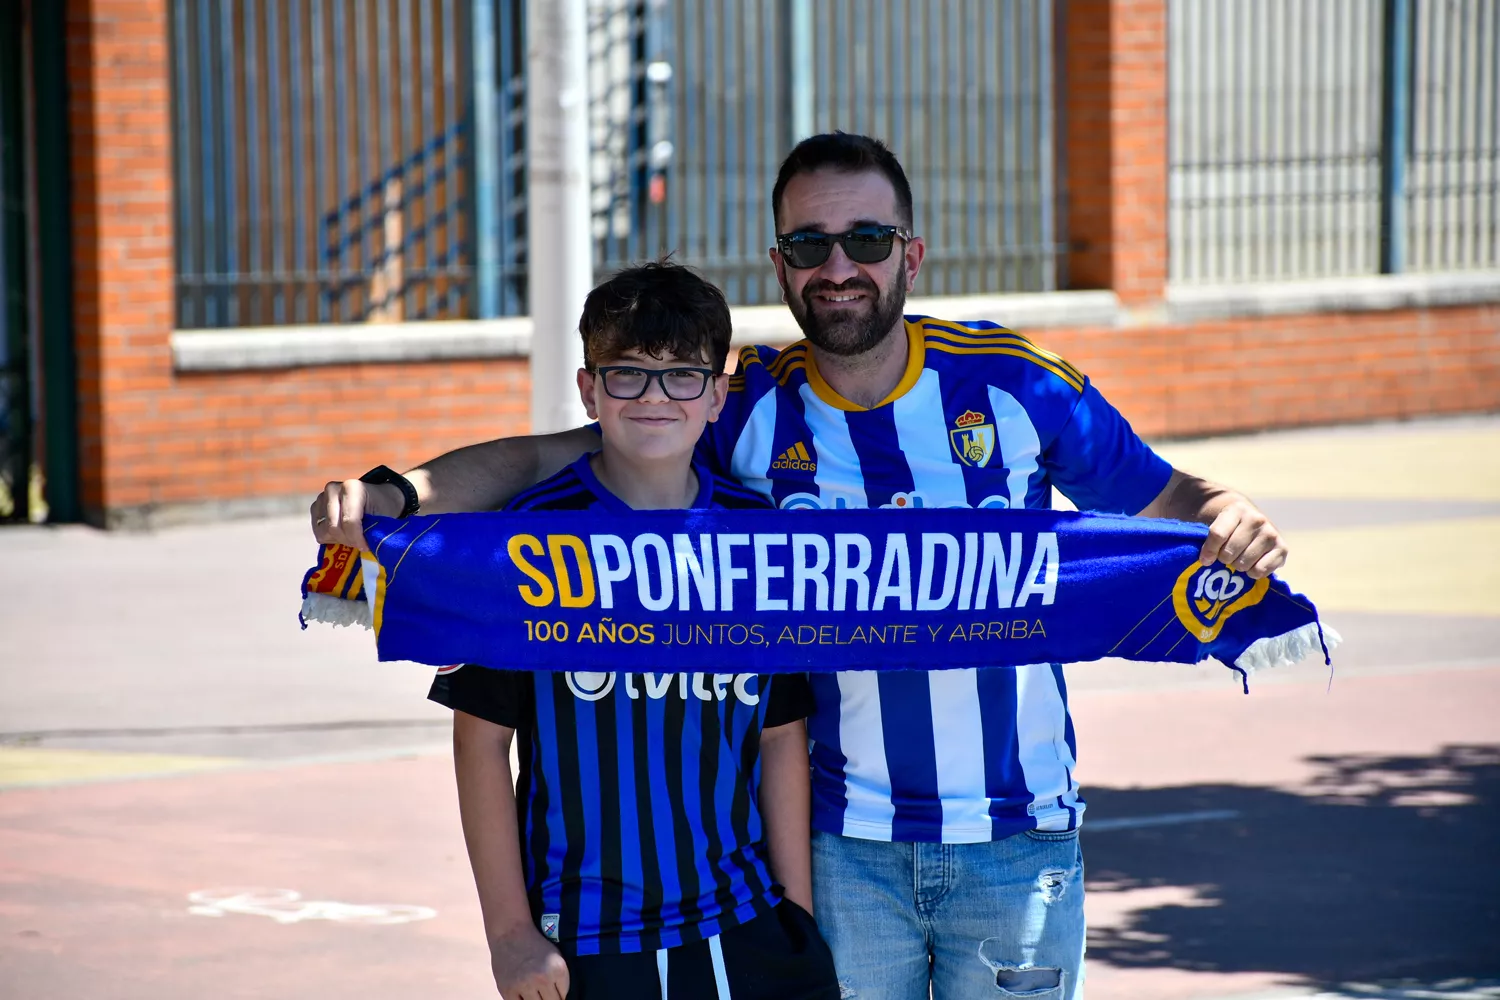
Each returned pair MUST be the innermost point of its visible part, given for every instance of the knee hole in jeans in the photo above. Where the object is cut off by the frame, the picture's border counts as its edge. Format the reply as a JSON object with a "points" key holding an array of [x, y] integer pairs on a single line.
{"points": [[1018, 980], [1028, 982]]}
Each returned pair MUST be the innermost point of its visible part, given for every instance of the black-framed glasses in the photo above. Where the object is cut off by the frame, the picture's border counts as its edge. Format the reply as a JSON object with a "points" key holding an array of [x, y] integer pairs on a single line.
{"points": [[863, 244], [630, 382]]}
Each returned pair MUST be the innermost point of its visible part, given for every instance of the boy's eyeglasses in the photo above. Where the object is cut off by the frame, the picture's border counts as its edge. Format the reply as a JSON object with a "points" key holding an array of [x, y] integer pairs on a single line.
{"points": [[629, 382], [862, 244]]}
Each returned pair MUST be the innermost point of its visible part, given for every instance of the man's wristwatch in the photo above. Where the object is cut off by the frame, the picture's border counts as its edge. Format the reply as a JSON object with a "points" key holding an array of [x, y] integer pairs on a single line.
{"points": [[382, 474]]}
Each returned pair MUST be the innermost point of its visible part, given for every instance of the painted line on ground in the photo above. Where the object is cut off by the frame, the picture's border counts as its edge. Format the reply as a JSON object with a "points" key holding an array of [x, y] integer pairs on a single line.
{"points": [[246, 764], [1451, 989], [1162, 819], [1213, 676]]}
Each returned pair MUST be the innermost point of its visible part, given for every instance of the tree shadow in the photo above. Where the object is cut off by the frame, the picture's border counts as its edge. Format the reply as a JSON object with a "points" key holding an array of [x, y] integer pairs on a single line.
{"points": [[1389, 867]]}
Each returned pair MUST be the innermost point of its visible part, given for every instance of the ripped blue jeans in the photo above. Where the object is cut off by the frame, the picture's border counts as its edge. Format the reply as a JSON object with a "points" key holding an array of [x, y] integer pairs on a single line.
{"points": [[1000, 919]]}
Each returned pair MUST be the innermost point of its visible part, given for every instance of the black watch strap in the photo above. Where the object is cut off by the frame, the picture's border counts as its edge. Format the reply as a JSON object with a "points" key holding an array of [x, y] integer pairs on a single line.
{"points": [[382, 474]]}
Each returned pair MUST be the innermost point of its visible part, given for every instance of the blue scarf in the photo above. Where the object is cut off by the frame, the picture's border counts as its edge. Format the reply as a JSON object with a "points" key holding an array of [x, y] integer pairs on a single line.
{"points": [[751, 591]]}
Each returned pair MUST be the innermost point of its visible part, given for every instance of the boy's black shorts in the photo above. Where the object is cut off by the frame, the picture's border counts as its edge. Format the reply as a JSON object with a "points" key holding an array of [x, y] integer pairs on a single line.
{"points": [[778, 956]]}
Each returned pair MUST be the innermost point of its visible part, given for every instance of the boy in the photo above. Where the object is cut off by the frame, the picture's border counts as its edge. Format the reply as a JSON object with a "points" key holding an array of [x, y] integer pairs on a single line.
{"points": [[647, 823]]}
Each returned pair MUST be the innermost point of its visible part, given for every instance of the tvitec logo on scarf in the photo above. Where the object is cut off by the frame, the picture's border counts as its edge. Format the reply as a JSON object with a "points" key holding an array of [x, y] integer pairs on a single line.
{"points": [[1206, 596]]}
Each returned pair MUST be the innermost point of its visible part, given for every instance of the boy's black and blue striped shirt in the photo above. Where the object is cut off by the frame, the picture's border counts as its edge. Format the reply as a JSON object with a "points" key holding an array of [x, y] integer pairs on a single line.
{"points": [[638, 794]]}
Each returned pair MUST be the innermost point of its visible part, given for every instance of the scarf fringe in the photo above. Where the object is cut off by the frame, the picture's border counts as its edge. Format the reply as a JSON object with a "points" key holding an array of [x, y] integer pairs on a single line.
{"points": [[336, 611], [1288, 648]]}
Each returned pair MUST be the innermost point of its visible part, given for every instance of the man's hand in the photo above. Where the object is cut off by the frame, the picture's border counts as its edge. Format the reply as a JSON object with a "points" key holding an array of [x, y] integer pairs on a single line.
{"points": [[1239, 535], [1244, 539], [338, 513], [527, 966]]}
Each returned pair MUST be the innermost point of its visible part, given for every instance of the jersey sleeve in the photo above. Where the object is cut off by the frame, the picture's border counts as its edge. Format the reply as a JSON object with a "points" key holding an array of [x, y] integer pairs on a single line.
{"points": [[503, 697], [1100, 463], [716, 444], [791, 698]]}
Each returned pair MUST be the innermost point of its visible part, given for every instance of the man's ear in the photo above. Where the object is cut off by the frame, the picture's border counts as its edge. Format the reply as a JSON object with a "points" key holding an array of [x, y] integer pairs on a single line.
{"points": [[916, 249], [780, 266], [718, 388], [586, 389]]}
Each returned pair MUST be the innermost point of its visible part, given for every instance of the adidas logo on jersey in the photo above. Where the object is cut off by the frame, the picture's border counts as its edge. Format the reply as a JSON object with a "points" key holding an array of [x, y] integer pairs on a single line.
{"points": [[795, 457]]}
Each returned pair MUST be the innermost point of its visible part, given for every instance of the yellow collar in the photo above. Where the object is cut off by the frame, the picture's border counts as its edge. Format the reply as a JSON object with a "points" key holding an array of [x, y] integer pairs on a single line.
{"points": [[916, 348]]}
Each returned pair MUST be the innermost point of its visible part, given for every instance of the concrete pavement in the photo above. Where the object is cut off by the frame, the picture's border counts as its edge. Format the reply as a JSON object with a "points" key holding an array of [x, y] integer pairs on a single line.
{"points": [[167, 730]]}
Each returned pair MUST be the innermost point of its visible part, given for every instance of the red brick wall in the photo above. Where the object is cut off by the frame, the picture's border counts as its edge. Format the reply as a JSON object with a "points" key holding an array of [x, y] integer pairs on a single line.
{"points": [[1290, 371], [226, 436], [1115, 146], [151, 436], [119, 126]]}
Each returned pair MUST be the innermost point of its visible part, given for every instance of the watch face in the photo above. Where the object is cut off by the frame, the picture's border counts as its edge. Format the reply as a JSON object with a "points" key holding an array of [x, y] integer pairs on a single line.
{"points": [[382, 475]]}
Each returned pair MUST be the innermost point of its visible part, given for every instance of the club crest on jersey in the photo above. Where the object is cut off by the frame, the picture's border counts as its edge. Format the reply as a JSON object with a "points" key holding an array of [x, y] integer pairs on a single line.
{"points": [[973, 438], [1205, 597]]}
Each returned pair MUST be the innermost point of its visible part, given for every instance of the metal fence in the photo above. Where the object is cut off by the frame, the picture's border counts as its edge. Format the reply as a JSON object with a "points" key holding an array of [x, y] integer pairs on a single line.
{"points": [[1453, 173], [322, 152], [16, 378], [696, 101], [1315, 138], [335, 159]]}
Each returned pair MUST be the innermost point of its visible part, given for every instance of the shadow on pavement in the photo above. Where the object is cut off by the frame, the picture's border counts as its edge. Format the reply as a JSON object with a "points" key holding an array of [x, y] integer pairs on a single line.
{"points": [[1386, 868]]}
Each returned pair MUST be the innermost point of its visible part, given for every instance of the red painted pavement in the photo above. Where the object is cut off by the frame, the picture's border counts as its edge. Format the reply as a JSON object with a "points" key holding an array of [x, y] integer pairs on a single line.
{"points": [[96, 878], [1364, 848]]}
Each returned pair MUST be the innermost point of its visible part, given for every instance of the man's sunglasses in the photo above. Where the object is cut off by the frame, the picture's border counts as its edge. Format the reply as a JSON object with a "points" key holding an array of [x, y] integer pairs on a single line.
{"points": [[629, 382], [862, 244]]}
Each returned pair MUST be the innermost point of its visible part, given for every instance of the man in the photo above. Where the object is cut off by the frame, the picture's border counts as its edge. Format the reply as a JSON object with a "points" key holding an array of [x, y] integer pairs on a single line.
{"points": [[945, 812]]}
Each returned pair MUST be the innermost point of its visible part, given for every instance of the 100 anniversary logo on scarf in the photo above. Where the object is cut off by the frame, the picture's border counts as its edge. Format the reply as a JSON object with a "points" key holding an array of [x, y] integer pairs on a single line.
{"points": [[770, 591]]}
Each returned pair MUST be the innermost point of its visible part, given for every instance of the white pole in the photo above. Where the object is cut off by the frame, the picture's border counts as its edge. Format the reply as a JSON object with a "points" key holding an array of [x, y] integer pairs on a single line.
{"points": [[559, 229], [802, 71]]}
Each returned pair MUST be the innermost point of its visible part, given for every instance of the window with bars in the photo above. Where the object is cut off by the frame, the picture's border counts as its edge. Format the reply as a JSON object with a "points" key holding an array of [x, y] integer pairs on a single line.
{"points": [[1295, 138], [337, 160]]}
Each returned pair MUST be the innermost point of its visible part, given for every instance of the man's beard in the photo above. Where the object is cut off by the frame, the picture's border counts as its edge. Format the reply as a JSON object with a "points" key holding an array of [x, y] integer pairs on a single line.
{"points": [[850, 335]]}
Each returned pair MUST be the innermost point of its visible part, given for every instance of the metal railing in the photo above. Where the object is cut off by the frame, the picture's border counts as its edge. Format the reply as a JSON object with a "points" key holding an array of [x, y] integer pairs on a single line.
{"points": [[16, 378], [696, 101], [356, 160], [1317, 138], [1453, 174], [965, 92], [1274, 139], [321, 161]]}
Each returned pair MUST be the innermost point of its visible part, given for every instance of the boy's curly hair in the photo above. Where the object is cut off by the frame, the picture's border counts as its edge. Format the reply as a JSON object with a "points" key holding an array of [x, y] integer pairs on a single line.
{"points": [[661, 308]]}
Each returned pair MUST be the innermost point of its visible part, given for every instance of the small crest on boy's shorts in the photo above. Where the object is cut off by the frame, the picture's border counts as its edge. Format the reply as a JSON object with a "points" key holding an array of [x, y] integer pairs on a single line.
{"points": [[973, 438], [549, 926]]}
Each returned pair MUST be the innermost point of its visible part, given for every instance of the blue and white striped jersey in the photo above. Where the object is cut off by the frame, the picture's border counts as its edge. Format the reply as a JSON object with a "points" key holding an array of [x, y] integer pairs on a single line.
{"points": [[638, 797], [981, 418]]}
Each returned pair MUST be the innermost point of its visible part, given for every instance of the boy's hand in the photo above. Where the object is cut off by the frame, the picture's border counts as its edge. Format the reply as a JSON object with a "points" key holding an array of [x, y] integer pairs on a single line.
{"points": [[527, 966]]}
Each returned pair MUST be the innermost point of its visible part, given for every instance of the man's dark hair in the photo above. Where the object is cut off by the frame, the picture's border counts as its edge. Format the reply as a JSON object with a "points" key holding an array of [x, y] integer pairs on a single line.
{"points": [[660, 308], [849, 154]]}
